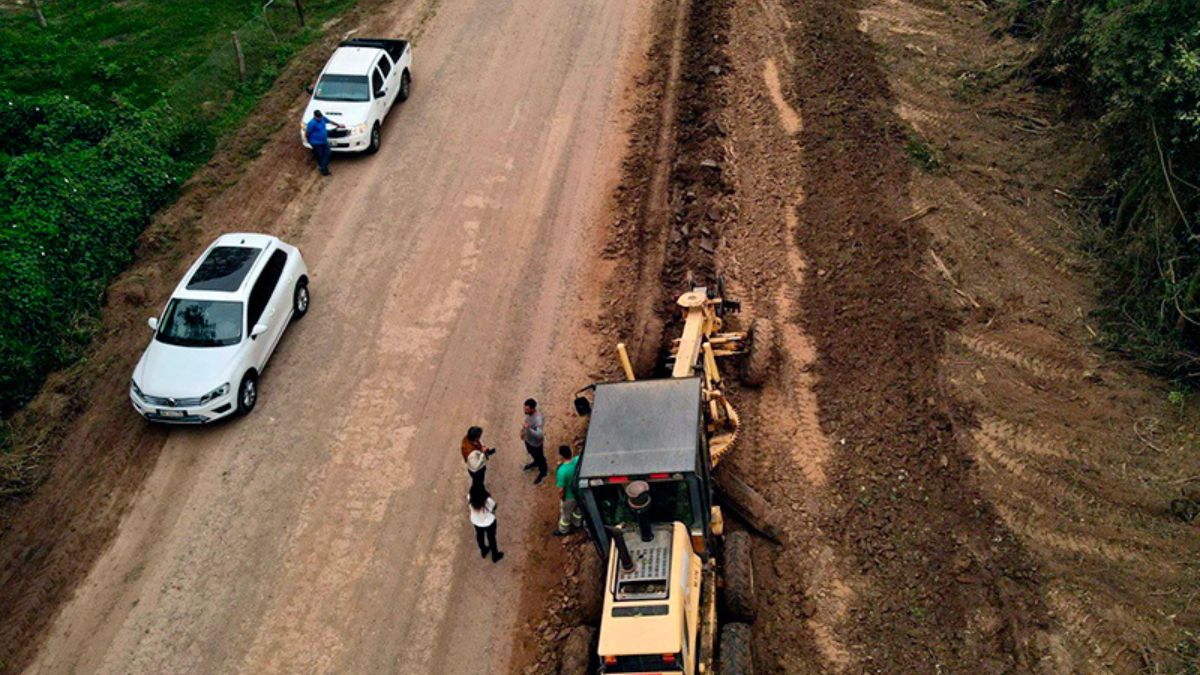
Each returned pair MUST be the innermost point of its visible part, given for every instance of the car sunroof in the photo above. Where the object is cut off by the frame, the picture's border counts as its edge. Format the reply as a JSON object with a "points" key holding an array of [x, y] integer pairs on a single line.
{"points": [[224, 269]]}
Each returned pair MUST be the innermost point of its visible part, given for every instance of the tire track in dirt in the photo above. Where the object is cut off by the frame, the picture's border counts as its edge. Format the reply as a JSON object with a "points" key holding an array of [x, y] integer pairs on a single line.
{"points": [[1038, 365], [808, 585]]}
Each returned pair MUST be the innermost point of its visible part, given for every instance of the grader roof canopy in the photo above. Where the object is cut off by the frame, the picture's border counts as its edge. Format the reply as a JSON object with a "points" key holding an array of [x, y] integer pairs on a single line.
{"points": [[643, 427]]}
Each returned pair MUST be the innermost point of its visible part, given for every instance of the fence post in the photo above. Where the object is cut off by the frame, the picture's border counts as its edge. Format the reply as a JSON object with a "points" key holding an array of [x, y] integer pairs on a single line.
{"points": [[41, 18], [237, 47], [300, 12]]}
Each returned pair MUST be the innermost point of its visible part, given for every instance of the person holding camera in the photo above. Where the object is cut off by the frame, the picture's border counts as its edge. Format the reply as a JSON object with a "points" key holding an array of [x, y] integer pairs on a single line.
{"points": [[475, 455]]}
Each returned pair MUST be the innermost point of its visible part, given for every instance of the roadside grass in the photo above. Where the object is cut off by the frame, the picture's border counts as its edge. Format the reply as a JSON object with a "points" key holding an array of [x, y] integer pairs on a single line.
{"points": [[124, 57], [95, 51]]}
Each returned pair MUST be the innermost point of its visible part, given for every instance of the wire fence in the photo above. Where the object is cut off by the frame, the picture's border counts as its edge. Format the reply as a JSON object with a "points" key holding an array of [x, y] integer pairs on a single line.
{"points": [[248, 61]]}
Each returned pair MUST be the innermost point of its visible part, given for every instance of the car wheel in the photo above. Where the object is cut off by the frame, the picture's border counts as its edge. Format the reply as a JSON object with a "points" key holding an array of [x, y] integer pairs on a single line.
{"points": [[376, 140], [405, 86], [300, 300], [247, 393]]}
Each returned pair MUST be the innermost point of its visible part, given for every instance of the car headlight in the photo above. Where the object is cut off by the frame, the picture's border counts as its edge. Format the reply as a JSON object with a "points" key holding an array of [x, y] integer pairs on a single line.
{"points": [[359, 129], [136, 389], [215, 393]]}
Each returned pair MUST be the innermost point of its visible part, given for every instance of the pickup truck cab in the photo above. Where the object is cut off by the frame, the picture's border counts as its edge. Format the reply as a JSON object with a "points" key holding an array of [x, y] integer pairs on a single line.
{"points": [[356, 89]]}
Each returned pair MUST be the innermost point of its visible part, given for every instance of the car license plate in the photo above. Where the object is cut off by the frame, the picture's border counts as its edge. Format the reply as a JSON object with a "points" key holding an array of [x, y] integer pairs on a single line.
{"points": [[172, 413]]}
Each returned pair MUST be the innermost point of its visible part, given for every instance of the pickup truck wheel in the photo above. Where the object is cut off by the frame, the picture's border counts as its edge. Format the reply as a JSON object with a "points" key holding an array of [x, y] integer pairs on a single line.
{"points": [[247, 393], [736, 657], [300, 300], [737, 593], [405, 86], [376, 140]]}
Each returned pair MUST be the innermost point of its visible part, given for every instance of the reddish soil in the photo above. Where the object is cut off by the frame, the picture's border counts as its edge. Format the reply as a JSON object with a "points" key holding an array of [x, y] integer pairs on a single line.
{"points": [[964, 481]]}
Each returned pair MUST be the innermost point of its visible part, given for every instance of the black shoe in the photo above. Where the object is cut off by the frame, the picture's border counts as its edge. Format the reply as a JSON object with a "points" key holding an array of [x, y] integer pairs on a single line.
{"points": [[539, 479], [529, 466], [496, 558], [560, 533], [483, 553], [325, 172]]}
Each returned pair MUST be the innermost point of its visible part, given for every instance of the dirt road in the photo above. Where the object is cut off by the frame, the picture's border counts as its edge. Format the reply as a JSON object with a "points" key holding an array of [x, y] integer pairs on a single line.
{"points": [[327, 532]]}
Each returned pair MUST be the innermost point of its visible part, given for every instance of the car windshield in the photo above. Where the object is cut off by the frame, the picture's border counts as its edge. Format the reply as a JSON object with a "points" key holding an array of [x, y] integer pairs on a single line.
{"points": [[342, 88], [201, 323]]}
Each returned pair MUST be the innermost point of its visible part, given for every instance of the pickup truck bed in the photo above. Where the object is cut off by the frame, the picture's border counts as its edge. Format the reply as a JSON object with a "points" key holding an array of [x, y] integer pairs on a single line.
{"points": [[394, 48]]}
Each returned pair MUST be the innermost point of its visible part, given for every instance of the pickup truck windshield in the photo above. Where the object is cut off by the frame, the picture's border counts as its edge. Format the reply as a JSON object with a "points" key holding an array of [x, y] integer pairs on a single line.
{"points": [[201, 323], [343, 88]]}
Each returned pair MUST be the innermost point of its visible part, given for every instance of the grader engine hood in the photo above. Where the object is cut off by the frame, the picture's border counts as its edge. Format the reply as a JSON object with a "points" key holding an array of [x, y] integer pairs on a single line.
{"points": [[650, 609]]}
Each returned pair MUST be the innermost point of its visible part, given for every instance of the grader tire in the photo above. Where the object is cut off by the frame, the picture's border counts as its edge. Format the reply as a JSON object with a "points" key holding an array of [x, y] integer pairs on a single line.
{"points": [[575, 658], [737, 594], [761, 356], [736, 657]]}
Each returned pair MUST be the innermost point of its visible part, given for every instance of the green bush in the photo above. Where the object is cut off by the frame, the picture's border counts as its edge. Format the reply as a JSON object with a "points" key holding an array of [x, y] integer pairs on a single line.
{"points": [[75, 201], [1135, 67]]}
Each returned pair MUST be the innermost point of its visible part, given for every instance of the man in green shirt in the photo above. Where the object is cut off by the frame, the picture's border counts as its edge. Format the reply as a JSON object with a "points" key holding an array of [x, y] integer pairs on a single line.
{"points": [[569, 517]]}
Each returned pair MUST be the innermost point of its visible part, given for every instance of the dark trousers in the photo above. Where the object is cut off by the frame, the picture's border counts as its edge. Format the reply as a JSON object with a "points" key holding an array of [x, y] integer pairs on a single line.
{"points": [[538, 455], [486, 538], [478, 476], [321, 153]]}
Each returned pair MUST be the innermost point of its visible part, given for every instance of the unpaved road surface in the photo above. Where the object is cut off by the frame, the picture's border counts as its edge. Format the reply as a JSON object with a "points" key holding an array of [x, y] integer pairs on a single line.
{"points": [[327, 532]]}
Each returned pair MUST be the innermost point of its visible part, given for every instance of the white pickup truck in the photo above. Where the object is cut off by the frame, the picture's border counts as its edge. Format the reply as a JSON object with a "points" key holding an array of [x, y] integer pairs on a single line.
{"points": [[357, 88]]}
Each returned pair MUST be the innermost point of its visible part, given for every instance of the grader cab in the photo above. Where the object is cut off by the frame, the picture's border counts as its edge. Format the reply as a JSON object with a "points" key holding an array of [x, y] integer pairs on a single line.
{"points": [[646, 488]]}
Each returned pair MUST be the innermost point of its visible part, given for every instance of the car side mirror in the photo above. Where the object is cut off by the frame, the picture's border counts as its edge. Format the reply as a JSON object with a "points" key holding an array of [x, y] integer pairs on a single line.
{"points": [[308, 88], [381, 93], [259, 329], [153, 323]]}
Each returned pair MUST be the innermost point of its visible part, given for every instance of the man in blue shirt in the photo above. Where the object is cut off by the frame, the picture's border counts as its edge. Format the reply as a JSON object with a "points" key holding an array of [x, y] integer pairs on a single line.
{"points": [[318, 138]]}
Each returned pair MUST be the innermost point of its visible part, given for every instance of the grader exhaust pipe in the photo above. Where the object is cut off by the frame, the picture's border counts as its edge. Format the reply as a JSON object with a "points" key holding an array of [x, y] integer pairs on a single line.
{"points": [[638, 495]]}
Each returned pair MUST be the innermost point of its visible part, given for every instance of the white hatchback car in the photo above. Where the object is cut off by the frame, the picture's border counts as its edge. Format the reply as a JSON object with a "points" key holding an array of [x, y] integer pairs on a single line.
{"points": [[219, 329]]}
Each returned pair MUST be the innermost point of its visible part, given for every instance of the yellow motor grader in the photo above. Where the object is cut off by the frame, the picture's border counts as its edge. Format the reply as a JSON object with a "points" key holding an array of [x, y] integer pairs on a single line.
{"points": [[645, 486]]}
